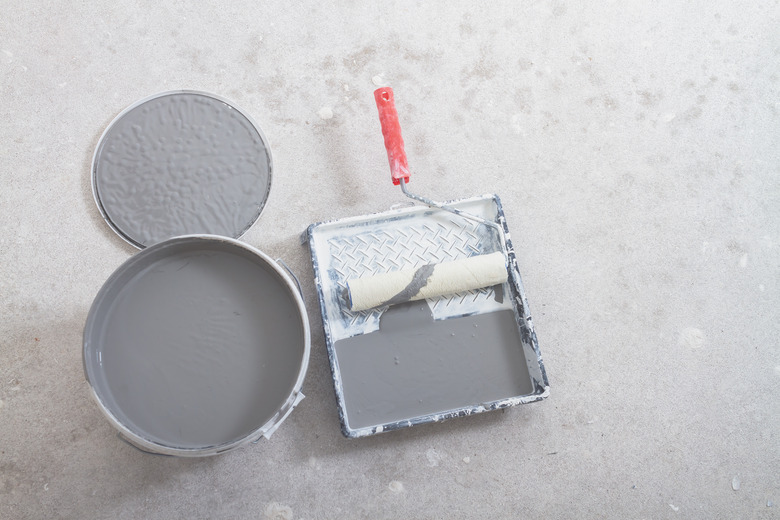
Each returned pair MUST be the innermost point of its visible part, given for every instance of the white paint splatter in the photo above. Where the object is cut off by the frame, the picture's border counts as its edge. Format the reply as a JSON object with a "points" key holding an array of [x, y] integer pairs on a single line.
{"points": [[743, 260], [674, 507], [517, 127], [377, 80], [669, 116], [396, 486], [325, 113], [735, 484], [466, 459], [346, 87], [380, 429], [277, 511], [691, 337], [433, 457], [314, 463], [769, 503]]}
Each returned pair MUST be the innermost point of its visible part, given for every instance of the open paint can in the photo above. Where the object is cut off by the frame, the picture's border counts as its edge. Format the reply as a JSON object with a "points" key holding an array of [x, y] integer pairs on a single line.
{"points": [[199, 343]]}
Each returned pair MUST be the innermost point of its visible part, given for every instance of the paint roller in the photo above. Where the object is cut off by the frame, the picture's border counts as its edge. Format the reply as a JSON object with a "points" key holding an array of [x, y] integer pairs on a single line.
{"points": [[431, 280]]}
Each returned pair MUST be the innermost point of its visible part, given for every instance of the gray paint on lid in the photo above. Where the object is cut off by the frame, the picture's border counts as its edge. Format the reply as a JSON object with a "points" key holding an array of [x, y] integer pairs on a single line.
{"points": [[181, 163]]}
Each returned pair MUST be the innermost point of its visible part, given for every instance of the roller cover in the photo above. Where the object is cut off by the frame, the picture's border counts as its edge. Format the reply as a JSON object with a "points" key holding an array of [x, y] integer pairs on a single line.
{"points": [[428, 281]]}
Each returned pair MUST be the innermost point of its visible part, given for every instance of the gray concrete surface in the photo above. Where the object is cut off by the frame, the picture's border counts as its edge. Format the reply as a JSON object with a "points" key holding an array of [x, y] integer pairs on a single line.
{"points": [[634, 145]]}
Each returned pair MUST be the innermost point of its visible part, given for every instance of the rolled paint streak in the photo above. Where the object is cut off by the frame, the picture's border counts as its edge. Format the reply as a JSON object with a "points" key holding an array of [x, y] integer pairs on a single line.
{"points": [[428, 281]]}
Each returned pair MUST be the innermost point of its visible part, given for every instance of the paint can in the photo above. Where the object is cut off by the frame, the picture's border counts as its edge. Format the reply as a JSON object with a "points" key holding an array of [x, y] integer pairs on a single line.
{"points": [[199, 343]]}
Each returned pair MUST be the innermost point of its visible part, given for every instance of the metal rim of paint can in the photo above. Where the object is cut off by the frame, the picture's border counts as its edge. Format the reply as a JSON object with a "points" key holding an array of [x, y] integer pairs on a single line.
{"points": [[101, 203], [112, 290]]}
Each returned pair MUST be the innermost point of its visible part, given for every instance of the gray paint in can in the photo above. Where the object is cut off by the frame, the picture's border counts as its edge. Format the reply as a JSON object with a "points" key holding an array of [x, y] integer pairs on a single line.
{"points": [[196, 342]]}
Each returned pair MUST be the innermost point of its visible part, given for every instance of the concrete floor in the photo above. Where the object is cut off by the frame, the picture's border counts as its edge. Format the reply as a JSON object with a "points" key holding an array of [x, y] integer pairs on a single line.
{"points": [[635, 149]]}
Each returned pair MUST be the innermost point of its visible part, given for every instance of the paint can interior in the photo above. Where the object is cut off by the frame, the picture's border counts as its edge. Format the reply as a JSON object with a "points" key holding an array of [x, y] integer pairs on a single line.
{"points": [[199, 343]]}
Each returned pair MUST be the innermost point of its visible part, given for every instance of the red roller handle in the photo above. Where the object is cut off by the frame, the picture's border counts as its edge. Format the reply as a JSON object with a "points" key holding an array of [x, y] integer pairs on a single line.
{"points": [[391, 130]]}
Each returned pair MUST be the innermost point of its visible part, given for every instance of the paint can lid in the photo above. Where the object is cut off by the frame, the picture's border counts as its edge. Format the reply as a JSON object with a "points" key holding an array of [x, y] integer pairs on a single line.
{"points": [[179, 163]]}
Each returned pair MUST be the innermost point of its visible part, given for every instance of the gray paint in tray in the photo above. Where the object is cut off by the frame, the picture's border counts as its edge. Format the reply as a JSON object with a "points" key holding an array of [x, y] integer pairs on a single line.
{"points": [[414, 366]]}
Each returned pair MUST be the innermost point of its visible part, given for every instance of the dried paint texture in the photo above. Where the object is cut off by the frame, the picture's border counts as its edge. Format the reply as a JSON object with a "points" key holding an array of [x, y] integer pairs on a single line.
{"points": [[181, 163]]}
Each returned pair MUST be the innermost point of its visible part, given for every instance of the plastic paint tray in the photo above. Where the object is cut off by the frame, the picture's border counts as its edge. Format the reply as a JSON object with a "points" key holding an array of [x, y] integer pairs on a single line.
{"points": [[431, 360]]}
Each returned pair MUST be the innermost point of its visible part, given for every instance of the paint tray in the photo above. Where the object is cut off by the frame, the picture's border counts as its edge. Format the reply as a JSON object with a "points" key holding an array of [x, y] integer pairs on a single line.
{"points": [[430, 360]]}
